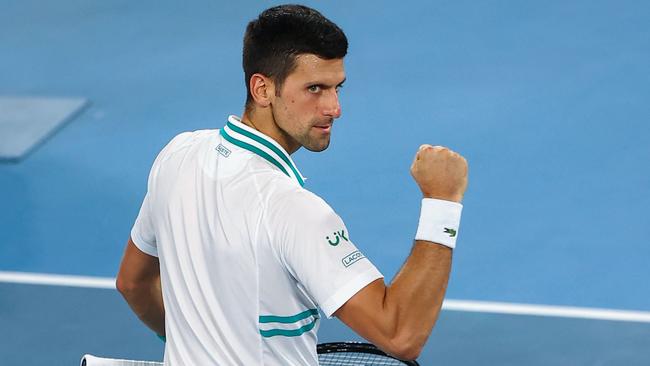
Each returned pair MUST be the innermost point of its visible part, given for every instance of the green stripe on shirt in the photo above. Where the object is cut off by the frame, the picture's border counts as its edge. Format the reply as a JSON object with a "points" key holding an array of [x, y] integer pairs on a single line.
{"points": [[254, 149], [288, 319], [273, 148], [289, 332]]}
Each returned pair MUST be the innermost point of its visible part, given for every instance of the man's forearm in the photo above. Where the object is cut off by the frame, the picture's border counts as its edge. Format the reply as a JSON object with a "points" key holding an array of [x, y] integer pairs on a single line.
{"points": [[399, 318], [146, 302], [415, 296]]}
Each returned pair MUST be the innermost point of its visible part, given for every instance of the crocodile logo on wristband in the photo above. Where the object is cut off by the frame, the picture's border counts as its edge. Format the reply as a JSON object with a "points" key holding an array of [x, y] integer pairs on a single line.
{"points": [[451, 232]]}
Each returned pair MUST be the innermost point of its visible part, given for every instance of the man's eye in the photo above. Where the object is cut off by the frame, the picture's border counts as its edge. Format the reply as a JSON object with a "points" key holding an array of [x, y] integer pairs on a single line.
{"points": [[314, 89]]}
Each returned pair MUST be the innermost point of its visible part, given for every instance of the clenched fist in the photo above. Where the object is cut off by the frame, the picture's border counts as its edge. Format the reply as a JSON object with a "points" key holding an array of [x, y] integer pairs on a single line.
{"points": [[440, 173]]}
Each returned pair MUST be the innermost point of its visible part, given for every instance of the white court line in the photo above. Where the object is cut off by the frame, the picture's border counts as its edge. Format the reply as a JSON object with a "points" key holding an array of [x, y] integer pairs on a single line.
{"points": [[57, 280], [449, 304], [547, 310]]}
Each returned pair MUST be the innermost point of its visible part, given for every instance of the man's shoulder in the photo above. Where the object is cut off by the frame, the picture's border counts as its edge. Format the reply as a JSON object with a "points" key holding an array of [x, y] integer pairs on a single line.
{"points": [[288, 200], [185, 140], [190, 138]]}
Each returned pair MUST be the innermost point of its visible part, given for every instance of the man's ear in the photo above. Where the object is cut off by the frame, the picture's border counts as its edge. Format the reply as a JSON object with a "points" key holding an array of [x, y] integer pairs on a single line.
{"points": [[262, 90]]}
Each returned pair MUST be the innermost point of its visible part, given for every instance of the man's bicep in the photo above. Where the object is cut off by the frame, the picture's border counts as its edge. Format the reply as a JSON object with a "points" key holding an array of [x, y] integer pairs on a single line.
{"points": [[137, 267], [364, 313]]}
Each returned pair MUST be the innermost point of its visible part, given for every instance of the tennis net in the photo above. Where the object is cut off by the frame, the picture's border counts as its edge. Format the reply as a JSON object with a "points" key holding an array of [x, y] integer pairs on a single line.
{"points": [[90, 360], [329, 354]]}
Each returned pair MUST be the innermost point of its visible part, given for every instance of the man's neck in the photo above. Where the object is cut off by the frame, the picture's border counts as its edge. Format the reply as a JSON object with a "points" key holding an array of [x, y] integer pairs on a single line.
{"points": [[264, 122]]}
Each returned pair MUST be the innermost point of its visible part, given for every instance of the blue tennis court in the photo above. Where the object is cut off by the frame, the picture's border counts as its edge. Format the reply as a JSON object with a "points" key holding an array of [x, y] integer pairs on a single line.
{"points": [[549, 102]]}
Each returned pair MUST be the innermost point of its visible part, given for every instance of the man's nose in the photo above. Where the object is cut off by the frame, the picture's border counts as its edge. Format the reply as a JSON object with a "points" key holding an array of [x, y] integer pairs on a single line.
{"points": [[332, 106]]}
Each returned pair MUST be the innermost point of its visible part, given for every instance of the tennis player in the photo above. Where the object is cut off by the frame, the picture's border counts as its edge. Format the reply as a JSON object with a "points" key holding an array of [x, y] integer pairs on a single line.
{"points": [[231, 258]]}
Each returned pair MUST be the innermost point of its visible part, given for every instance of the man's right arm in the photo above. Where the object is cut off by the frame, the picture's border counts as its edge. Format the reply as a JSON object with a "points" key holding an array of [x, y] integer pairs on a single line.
{"points": [[400, 317]]}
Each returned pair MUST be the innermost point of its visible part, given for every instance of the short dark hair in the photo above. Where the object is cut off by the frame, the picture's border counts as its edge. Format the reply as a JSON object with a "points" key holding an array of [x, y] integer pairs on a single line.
{"points": [[281, 33]]}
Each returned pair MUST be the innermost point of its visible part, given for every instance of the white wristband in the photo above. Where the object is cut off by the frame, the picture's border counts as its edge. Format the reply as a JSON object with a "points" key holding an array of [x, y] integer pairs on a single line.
{"points": [[439, 221]]}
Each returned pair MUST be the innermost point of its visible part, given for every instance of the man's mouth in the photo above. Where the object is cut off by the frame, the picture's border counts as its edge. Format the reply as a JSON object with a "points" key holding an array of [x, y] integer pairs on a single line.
{"points": [[326, 127]]}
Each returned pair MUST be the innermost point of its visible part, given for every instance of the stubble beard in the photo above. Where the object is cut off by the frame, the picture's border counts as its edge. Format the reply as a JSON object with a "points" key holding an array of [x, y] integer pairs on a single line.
{"points": [[313, 144], [304, 139], [309, 142]]}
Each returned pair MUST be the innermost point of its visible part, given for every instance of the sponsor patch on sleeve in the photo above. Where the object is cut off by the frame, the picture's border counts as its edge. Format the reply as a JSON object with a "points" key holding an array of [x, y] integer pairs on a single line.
{"points": [[352, 258]]}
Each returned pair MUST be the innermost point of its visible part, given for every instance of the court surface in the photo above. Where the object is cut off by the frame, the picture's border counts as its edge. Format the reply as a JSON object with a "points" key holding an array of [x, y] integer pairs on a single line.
{"points": [[548, 101]]}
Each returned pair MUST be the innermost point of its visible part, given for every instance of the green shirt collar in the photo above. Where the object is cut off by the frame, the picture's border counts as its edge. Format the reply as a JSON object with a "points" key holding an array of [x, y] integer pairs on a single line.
{"points": [[258, 143]]}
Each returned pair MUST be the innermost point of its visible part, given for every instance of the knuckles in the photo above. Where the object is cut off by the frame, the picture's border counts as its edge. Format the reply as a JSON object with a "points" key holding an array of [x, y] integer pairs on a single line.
{"points": [[428, 151], [440, 172], [434, 157]]}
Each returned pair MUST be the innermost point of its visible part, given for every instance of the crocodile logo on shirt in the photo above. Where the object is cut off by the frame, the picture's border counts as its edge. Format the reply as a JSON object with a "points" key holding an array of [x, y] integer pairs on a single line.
{"points": [[336, 238]]}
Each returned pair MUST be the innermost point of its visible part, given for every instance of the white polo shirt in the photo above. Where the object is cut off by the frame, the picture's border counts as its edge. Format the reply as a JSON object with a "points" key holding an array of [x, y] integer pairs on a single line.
{"points": [[247, 256]]}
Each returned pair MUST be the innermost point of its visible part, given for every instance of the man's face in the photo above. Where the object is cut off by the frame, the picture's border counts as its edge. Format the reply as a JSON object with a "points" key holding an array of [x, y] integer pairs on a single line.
{"points": [[308, 102]]}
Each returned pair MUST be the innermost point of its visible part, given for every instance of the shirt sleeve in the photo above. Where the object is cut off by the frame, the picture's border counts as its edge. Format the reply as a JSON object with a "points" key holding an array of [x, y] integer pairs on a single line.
{"points": [[143, 234], [315, 246]]}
